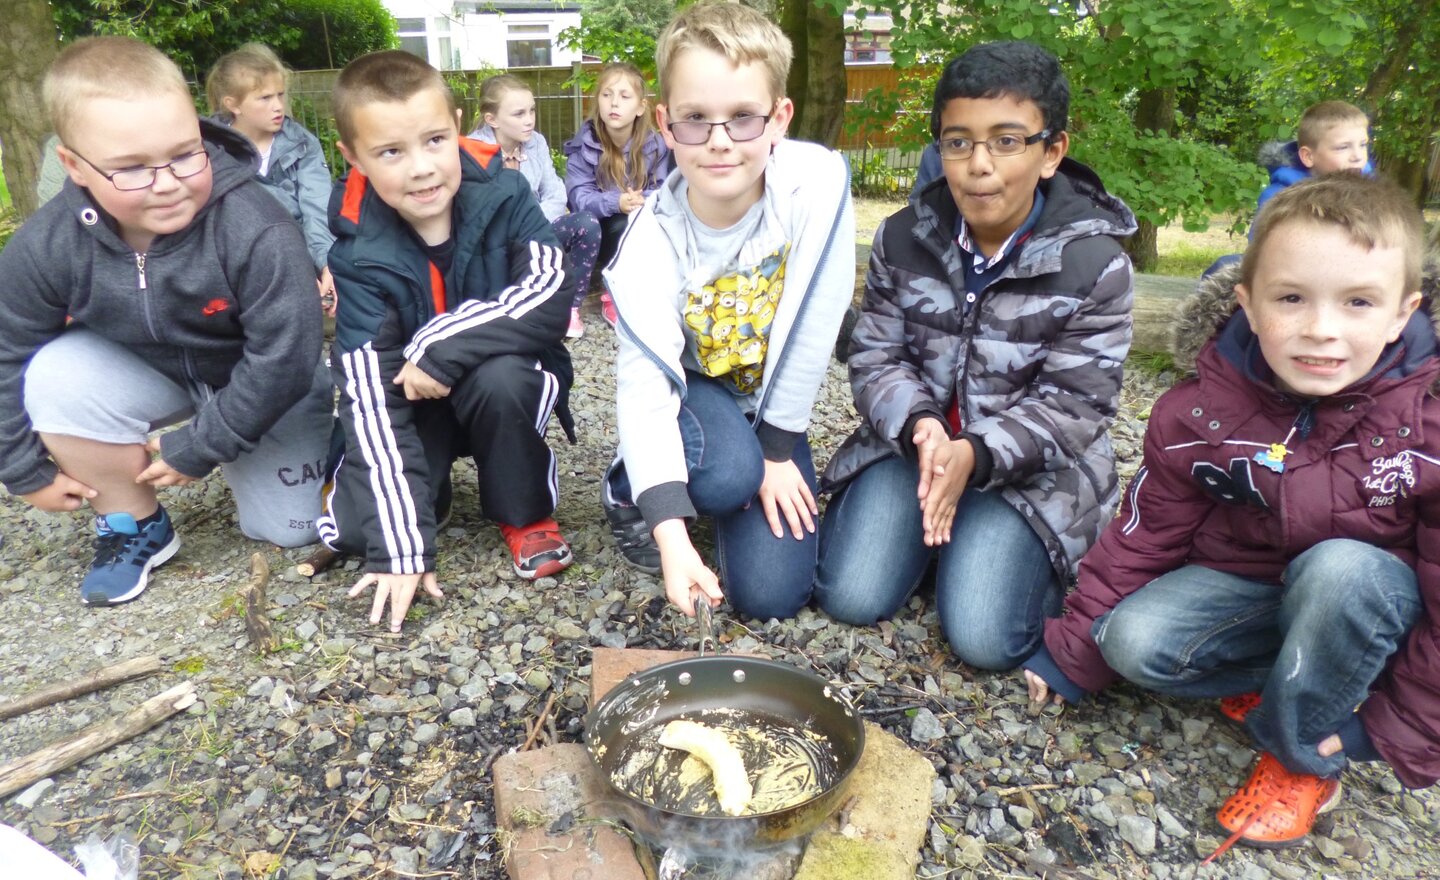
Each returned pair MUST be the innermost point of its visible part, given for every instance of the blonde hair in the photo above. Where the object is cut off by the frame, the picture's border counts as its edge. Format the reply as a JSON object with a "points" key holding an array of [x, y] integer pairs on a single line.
{"points": [[1320, 118], [105, 67], [393, 76], [494, 90], [616, 168], [241, 72], [740, 33], [1373, 212]]}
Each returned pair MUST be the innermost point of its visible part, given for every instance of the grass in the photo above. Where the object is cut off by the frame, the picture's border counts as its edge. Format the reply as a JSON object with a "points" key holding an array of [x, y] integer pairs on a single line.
{"points": [[1182, 257]]}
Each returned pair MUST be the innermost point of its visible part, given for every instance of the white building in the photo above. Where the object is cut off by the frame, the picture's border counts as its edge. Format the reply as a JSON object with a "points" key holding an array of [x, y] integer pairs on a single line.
{"points": [[471, 34]]}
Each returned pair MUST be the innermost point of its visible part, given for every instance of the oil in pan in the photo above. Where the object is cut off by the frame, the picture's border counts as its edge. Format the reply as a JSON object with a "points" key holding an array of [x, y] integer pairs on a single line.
{"points": [[787, 765]]}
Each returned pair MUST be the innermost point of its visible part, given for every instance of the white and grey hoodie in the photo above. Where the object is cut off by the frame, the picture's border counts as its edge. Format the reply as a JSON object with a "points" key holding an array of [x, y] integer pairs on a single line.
{"points": [[807, 204]]}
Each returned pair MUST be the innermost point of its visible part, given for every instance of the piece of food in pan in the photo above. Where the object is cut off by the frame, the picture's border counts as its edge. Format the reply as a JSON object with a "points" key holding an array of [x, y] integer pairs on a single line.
{"points": [[727, 768]]}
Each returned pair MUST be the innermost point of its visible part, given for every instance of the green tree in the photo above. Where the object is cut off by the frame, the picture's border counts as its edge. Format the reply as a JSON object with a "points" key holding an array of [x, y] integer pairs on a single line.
{"points": [[28, 43], [332, 33], [816, 29]]}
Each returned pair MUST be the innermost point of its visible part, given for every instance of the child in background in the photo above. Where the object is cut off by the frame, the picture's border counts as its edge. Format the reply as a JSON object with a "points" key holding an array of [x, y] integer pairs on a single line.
{"points": [[246, 91], [1278, 548], [986, 366], [162, 283], [615, 161], [731, 282], [1332, 136], [449, 339], [507, 108]]}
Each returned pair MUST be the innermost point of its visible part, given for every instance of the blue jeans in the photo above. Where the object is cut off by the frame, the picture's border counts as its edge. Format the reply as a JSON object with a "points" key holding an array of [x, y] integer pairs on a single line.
{"points": [[763, 576], [1311, 646], [994, 584]]}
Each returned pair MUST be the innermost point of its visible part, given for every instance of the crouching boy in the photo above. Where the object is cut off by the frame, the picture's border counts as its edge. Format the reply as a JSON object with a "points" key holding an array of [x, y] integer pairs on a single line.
{"points": [[1278, 547], [162, 283], [454, 299]]}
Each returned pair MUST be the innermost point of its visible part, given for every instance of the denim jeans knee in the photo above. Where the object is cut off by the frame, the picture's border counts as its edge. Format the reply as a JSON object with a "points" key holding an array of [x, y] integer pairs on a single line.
{"points": [[726, 466]]}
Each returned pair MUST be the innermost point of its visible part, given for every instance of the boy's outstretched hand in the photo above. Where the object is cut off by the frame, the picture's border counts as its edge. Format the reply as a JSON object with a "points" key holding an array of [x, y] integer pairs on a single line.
{"points": [[420, 385], [684, 571], [945, 466], [63, 493], [398, 590], [1040, 690], [784, 491]]}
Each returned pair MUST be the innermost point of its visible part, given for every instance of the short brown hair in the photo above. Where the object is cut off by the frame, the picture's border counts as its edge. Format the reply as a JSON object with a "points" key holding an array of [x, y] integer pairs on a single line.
{"points": [[494, 89], [238, 73], [740, 33], [105, 67], [1320, 118], [394, 76], [1372, 211]]}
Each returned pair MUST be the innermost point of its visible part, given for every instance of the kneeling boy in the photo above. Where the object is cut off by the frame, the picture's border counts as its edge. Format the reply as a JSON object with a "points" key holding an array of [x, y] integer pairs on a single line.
{"points": [[162, 282], [1279, 546], [454, 299]]}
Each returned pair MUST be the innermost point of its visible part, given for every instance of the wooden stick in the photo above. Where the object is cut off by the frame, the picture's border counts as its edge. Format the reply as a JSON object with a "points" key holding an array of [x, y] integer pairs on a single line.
{"points": [[317, 562], [23, 772], [539, 723], [257, 624], [108, 676]]}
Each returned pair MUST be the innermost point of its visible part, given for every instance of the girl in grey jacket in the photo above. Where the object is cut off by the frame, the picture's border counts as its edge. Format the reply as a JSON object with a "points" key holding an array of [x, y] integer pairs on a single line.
{"points": [[246, 91]]}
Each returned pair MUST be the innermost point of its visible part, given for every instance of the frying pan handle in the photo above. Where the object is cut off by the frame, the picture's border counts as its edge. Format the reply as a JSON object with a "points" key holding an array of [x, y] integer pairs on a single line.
{"points": [[706, 623]]}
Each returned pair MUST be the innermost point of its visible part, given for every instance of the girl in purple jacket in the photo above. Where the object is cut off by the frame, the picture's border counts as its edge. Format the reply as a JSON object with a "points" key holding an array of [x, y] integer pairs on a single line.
{"points": [[615, 160]]}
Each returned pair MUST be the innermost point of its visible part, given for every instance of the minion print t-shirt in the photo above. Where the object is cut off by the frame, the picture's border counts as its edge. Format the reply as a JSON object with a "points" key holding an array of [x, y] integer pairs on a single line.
{"points": [[731, 316]]}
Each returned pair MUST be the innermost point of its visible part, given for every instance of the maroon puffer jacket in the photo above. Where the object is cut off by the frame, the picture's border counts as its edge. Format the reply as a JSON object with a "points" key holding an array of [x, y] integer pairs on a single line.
{"points": [[1369, 469]]}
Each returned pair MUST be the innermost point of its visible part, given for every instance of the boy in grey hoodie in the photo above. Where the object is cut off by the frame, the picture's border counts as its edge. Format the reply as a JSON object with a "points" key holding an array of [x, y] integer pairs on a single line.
{"points": [[731, 282], [161, 283]]}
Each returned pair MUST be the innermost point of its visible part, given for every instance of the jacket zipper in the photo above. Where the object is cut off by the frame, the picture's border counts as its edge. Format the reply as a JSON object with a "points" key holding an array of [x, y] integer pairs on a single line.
{"points": [[140, 268], [145, 297], [804, 302]]}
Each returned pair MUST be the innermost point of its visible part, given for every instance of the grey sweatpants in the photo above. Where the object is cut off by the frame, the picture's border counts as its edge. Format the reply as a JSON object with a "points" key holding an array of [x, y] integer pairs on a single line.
{"points": [[83, 385]]}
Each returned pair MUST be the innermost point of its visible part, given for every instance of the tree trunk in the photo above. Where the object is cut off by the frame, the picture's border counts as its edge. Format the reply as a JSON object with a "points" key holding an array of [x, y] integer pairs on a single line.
{"points": [[817, 76], [28, 43], [1155, 111]]}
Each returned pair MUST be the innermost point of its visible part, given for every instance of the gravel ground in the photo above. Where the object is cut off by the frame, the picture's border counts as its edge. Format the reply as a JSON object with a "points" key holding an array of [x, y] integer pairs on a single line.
{"points": [[353, 753]]}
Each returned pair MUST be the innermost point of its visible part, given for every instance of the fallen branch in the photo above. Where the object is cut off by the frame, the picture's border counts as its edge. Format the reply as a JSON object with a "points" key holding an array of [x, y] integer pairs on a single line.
{"points": [[317, 562], [109, 676], [22, 772], [539, 723], [257, 623]]}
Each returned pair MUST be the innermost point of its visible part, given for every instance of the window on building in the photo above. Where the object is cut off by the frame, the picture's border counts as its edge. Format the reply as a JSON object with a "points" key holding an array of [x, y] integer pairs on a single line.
{"points": [[528, 45], [412, 36]]}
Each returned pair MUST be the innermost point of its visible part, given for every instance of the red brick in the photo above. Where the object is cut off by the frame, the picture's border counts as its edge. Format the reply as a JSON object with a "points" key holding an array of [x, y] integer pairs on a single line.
{"points": [[610, 666], [542, 786]]}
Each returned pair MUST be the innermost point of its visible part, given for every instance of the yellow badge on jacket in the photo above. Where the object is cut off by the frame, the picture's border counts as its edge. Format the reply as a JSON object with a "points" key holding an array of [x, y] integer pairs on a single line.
{"points": [[731, 316]]}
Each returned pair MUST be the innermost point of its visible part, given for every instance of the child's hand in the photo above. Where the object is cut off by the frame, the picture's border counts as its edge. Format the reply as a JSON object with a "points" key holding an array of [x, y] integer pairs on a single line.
{"points": [[398, 590], [326, 283], [930, 434], [159, 473], [1330, 745], [953, 462], [684, 571], [1040, 690], [784, 491], [630, 200], [420, 385], [63, 493]]}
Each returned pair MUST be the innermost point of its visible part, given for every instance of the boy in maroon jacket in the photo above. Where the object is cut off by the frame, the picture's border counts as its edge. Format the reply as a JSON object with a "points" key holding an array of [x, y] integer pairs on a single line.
{"points": [[1278, 548]]}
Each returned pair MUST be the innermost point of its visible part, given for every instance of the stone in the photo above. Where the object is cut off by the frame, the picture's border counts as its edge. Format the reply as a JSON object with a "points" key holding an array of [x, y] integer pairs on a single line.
{"points": [[1139, 832], [925, 727], [888, 819], [533, 790], [32, 795], [464, 717], [1194, 730], [426, 733]]}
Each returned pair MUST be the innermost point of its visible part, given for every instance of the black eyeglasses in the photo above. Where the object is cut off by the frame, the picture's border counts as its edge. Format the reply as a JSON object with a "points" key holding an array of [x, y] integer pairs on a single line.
{"points": [[739, 129], [959, 148], [131, 179]]}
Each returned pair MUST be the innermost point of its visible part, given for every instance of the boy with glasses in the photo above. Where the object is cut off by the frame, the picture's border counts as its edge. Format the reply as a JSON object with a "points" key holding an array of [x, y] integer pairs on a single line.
{"points": [[162, 283], [730, 283], [986, 367]]}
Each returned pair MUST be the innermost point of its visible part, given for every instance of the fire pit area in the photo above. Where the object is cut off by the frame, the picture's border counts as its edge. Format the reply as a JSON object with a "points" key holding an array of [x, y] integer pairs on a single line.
{"points": [[559, 818]]}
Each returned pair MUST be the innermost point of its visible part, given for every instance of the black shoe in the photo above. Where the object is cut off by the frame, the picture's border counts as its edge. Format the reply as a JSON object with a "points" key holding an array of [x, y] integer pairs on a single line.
{"points": [[632, 535]]}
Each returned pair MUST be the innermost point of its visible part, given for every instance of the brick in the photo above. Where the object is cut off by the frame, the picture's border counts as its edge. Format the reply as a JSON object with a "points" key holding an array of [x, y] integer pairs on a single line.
{"points": [[610, 666], [889, 813], [533, 790]]}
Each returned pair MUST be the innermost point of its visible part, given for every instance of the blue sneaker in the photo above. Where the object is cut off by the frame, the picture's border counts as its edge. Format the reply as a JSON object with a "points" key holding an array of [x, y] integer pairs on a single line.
{"points": [[124, 556]]}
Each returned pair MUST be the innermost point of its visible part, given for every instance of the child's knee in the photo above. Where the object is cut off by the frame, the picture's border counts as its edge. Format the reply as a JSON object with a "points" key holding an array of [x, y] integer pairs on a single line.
{"points": [[1129, 643]]}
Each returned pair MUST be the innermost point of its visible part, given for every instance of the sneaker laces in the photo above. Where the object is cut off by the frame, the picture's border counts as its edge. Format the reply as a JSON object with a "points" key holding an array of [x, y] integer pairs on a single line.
{"points": [[110, 548], [1281, 795]]}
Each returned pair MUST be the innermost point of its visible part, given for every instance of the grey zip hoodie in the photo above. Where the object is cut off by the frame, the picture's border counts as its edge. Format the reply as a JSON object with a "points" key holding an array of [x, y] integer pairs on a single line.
{"points": [[225, 306]]}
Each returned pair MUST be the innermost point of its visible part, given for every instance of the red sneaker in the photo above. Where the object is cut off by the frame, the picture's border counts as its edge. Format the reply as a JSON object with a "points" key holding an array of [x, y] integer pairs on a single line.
{"points": [[607, 309], [539, 548], [1237, 707], [1275, 808]]}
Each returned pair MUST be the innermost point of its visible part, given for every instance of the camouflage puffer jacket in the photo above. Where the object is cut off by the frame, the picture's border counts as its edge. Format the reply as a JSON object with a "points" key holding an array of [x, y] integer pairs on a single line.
{"points": [[1036, 362]]}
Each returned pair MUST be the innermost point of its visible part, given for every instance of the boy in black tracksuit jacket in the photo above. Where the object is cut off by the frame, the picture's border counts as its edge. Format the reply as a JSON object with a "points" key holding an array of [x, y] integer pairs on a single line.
{"points": [[480, 316]]}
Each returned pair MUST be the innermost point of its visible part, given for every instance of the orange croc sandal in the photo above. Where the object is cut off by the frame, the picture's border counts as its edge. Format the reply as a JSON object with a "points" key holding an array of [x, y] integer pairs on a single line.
{"points": [[1237, 707], [1274, 808]]}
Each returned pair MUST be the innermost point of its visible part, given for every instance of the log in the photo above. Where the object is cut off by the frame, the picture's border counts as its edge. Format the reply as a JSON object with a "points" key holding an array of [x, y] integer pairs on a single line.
{"points": [[317, 562], [108, 676], [257, 623], [23, 772]]}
